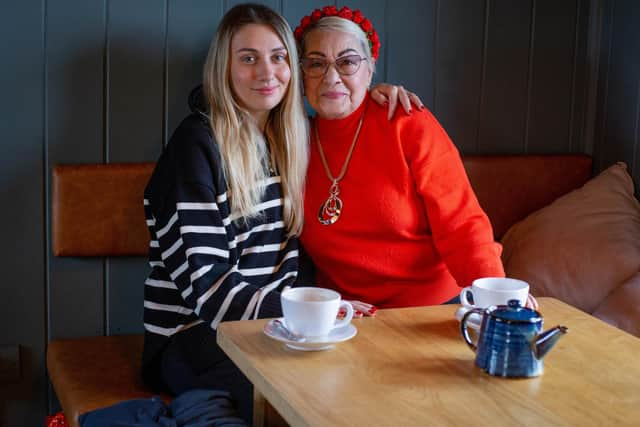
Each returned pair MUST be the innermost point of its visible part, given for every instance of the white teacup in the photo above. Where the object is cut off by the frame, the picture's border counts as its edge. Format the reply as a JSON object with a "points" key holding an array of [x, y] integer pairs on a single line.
{"points": [[490, 291], [312, 312]]}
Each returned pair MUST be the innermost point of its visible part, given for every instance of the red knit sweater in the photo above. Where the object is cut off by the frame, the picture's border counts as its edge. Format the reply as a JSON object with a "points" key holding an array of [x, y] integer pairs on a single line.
{"points": [[411, 229]]}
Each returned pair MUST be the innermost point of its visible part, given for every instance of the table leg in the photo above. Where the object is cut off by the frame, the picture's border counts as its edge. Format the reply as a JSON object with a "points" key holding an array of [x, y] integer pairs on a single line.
{"points": [[259, 408], [265, 415]]}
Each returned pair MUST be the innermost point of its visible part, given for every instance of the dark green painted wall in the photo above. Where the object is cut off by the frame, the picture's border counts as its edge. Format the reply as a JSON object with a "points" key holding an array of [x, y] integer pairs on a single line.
{"points": [[23, 307], [106, 81], [617, 127]]}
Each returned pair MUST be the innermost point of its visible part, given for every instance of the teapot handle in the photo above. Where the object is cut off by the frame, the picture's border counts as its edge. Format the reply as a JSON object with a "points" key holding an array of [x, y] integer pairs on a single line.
{"points": [[465, 330]]}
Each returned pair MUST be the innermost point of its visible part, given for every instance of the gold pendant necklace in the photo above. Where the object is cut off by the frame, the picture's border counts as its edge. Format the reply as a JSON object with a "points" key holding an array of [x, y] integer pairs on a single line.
{"points": [[331, 209]]}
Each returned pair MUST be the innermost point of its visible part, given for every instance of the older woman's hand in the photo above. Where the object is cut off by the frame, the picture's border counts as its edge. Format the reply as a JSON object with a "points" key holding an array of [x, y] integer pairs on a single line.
{"points": [[359, 309], [532, 303], [386, 93]]}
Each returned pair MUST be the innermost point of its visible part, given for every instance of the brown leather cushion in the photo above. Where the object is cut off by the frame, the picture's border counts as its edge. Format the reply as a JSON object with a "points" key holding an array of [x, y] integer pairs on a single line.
{"points": [[511, 187], [582, 246], [97, 209], [96, 372], [621, 308]]}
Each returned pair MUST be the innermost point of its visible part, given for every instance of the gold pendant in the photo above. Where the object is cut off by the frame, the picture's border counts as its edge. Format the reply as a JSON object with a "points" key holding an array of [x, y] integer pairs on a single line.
{"points": [[331, 209]]}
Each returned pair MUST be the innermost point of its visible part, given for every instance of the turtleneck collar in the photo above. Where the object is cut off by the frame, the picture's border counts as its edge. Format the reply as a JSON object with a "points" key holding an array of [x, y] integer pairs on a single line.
{"points": [[346, 125]]}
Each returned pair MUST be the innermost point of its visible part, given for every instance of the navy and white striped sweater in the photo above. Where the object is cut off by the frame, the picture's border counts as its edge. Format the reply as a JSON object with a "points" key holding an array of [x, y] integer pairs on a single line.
{"points": [[206, 267]]}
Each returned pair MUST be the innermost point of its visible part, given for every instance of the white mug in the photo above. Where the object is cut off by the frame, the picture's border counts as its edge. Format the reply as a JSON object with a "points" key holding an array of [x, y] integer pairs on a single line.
{"points": [[489, 291], [311, 311]]}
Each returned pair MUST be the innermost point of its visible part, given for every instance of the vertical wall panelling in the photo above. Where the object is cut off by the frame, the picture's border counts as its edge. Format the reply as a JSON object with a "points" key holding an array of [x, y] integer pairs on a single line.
{"points": [[604, 61], [504, 100], [551, 76], [620, 104], [125, 295], [273, 4], [408, 46], [136, 56], [22, 305], [483, 71], [75, 108], [532, 39], [459, 69], [294, 10], [191, 25], [135, 73], [585, 75]]}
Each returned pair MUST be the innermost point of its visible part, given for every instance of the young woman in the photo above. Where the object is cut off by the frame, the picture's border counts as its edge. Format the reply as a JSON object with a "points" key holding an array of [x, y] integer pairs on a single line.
{"points": [[224, 206]]}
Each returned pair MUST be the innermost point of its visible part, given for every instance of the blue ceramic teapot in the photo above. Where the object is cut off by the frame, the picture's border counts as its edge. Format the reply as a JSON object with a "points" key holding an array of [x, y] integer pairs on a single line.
{"points": [[511, 342]]}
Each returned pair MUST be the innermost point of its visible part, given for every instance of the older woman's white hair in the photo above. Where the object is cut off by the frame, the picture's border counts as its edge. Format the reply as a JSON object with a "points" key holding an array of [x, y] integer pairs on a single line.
{"points": [[335, 23]]}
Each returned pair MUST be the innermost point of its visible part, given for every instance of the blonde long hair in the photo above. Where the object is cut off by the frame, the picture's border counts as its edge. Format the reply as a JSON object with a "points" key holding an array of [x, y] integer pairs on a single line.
{"points": [[242, 145]]}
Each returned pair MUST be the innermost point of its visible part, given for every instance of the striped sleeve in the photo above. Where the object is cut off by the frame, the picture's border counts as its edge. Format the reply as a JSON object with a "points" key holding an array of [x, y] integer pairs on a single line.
{"points": [[196, 251], [206, 267]]}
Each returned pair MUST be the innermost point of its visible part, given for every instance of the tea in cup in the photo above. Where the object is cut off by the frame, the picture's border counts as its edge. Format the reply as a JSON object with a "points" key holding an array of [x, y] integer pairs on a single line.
{"points": [[311, 312], [489, 291]]}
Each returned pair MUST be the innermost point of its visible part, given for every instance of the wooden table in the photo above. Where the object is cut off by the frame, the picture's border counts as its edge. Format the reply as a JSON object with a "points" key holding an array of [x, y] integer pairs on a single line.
{"points": [[411, 367]]}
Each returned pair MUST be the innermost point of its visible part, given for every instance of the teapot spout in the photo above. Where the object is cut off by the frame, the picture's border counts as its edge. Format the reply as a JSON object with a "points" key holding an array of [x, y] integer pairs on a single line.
{"points": [[546, 340]]}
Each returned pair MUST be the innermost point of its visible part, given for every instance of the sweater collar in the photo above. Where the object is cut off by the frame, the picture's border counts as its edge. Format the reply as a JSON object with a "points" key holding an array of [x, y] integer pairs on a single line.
{"points": [[337, 127]]}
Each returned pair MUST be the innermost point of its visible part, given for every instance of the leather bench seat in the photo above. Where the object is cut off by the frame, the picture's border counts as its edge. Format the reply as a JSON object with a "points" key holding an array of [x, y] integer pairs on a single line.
{"points": [[95, 372]]}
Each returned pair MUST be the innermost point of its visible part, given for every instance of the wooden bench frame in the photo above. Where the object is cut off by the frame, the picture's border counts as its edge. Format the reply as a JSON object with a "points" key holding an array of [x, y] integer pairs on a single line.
{"points": [[94, 372]]}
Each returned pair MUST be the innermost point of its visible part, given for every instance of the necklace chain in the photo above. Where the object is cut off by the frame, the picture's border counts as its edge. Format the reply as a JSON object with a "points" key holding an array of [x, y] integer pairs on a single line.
{"points": [[331, 209]]}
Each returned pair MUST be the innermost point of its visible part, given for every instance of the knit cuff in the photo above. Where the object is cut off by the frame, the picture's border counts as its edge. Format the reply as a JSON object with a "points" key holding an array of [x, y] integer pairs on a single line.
{"points": [[271, 306]]}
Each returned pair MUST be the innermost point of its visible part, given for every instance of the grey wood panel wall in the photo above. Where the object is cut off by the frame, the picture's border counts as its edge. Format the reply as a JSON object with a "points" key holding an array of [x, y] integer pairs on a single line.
{"points": [[107, 81], [22, 252], [618, 115]]}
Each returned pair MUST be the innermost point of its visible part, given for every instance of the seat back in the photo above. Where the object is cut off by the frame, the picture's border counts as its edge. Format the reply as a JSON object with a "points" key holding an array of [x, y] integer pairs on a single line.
{"points": [[97, 209], [510, 187]]}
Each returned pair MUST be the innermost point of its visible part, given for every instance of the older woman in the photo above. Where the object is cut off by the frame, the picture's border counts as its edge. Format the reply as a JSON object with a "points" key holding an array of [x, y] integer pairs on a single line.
{"points": [[389, 215]]}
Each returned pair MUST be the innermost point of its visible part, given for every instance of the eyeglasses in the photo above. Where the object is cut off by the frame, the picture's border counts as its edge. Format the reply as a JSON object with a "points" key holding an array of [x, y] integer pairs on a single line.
{"points": [[317, 67]]}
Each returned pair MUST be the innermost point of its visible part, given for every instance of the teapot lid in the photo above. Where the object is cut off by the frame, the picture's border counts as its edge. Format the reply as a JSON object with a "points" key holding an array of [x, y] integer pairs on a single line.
{"points": [[513, 312]]}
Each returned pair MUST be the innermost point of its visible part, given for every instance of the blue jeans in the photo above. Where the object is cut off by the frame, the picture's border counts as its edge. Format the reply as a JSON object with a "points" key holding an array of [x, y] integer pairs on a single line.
{"points": [[193, 360]]}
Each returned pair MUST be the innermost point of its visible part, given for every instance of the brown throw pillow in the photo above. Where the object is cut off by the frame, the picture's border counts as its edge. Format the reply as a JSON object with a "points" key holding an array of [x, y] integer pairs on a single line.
{"points": [[583, 245], [621, 308]]}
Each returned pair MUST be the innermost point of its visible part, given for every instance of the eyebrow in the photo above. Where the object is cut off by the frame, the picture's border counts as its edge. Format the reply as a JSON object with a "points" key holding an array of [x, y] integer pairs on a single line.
{"points": [[342, 53], [251, 50]]}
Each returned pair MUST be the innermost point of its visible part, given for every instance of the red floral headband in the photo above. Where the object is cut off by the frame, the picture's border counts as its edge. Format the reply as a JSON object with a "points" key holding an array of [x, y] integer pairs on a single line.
{"points": [[346, 13]]}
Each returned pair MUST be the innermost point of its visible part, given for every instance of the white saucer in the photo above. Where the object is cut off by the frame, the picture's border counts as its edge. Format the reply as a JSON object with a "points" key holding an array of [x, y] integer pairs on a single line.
{"points": [[335, 336], [474, 321]]}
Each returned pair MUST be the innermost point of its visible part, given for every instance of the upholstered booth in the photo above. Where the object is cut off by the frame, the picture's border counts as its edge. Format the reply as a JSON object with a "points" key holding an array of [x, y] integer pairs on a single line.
{"points": [[517, 192]]}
